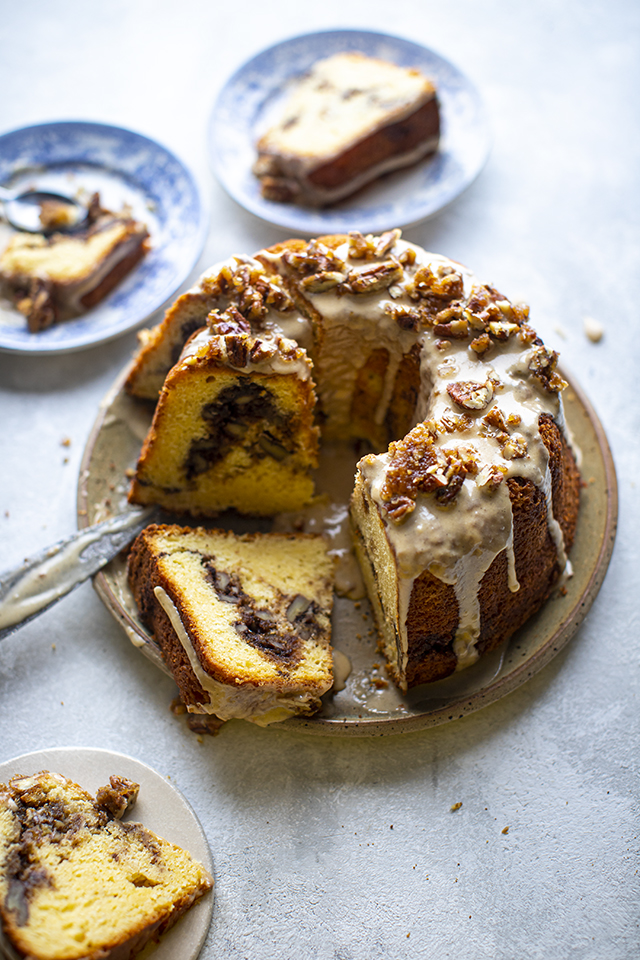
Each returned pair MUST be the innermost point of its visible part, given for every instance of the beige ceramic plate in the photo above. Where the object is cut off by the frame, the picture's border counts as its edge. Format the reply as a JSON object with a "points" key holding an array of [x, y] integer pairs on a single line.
{"points": [[367, 705], [160, 807]]}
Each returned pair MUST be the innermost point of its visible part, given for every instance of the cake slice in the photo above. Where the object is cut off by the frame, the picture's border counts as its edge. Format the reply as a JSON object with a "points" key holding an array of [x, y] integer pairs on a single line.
{"points": [[256, 292], [233, 427], [243, 622], [349, 120], [55, 278], [75, 882]]}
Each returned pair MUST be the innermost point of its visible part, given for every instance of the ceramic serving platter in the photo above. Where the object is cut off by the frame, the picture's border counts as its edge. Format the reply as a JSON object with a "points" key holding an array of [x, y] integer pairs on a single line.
{"points": [[368, 704], [160, 807], [249, 101], [79, 158]]}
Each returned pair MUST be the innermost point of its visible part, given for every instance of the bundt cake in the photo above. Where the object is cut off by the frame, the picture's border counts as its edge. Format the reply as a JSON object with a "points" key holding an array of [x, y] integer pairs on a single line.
{"points": [[243, 622], [346, 122], [465, 511], [57, 277], [75, 882]]}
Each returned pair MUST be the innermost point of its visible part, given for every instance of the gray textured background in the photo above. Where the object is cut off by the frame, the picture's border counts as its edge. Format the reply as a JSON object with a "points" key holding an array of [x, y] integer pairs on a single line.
{"points": [[340, 849]]}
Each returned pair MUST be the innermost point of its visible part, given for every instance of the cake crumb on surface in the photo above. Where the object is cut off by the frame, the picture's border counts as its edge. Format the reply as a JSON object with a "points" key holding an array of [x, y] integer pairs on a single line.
{"points": [[456, 806], [593, 329]]}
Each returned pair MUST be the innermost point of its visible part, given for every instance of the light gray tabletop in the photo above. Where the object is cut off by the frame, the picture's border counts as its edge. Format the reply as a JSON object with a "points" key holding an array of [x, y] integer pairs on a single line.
{"points": [[348, 848]]}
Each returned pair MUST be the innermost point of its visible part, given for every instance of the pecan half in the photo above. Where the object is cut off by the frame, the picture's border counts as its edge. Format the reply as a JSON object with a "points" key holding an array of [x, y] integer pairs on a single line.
{"points": [[471, 395], [377, 277]]}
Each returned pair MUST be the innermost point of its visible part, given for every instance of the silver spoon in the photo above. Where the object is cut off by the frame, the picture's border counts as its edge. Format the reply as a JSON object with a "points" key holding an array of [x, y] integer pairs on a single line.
{"points": [[28, 590], [22, 208]]}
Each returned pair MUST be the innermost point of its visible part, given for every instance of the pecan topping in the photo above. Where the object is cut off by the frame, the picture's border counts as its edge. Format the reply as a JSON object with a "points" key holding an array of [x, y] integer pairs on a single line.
{"points": [[490, 477], [386, 241], [446, 285], [231, 321], [481, 344], [374, 278], [501, 330], [237, 349], [456, 329], [407, 318], [262, 350], [543, 367], [319, 282], [416, 466], [514, 448], [471, 395], [315, 258]]}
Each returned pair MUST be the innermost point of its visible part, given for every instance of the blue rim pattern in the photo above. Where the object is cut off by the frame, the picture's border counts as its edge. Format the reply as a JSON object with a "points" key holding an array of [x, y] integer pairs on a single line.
{"points": [[399, 199], [163, 185]]}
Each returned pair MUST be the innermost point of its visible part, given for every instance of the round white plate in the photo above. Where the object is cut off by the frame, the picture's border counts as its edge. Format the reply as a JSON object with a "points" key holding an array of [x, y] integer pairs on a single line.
{"points": [[124, 167], [160, 807], [247, 102]]}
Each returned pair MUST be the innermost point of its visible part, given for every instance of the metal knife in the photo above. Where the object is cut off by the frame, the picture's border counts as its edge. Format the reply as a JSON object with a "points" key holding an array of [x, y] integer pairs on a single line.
{"points": [[28, 590]]}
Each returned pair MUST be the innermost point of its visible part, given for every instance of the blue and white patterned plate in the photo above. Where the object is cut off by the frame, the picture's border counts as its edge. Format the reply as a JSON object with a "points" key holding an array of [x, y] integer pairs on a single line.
{"points": [[126, 168], [248, 100]]}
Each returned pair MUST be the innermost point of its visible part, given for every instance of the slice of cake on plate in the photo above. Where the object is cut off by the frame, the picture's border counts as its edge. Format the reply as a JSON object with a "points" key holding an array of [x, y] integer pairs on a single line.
{"points": [[243, 622], [348, 121], [55, 278], [75, 882]]}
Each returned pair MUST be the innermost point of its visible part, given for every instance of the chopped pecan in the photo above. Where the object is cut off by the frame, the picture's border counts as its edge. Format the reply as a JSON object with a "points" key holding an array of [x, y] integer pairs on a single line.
{"points": [[408, 257], [386, 241], [501, 330], [514, 448], [471, 395], [481, 344], [495, 419], [231, 321], [319, 282], [527, 334], [445, 285], [407, 318], [361, 247], [262, 350], [374, 278], [457, 329], [543, 367], [237, 349], [455, 422], [490, 477]]}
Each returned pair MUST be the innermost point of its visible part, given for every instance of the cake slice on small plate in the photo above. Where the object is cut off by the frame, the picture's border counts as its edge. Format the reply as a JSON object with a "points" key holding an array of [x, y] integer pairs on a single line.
{"points": [[351, 119], [54, 278], [78, 884]]}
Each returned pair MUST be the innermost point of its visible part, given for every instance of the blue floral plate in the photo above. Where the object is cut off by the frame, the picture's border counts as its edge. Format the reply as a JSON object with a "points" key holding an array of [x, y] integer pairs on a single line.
{"points": [[248, 101], [126, 168]]}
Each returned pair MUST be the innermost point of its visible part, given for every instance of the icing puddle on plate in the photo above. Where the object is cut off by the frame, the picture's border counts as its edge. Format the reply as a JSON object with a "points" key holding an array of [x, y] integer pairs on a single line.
{"points": [[367, 703]]}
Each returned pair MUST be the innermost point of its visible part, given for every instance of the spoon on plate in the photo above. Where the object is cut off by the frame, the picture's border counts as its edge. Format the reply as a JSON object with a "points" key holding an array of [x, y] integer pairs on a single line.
{"points": [[28, 590], [42, 211]]}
